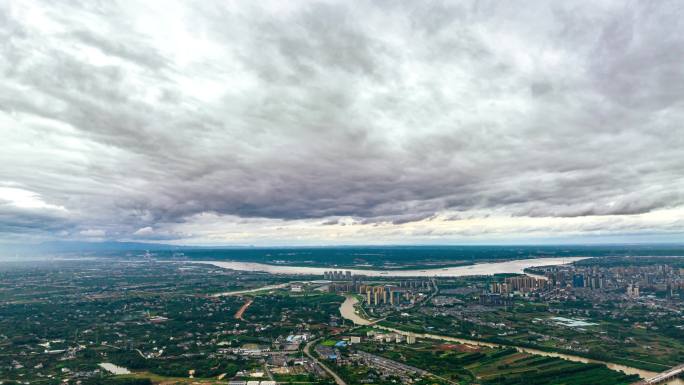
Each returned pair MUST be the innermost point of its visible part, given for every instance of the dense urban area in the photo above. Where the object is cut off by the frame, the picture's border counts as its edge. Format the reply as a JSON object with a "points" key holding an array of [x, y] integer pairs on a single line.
{"points": [[141, 320]]}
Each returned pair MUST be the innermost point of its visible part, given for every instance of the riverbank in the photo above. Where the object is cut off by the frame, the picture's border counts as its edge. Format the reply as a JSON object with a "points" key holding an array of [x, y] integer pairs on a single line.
{"points": [[347, 310], [247, 291]]}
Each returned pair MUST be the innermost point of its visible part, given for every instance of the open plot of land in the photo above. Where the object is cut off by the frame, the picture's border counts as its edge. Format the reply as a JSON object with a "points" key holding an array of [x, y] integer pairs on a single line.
{"points": [[498, 366]]}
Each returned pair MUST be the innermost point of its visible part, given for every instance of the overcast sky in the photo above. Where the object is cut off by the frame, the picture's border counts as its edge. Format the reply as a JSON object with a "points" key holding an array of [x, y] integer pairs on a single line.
{"points": [[351, 122]]}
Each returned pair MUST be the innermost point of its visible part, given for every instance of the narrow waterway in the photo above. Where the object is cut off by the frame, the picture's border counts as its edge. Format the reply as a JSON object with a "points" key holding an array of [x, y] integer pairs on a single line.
{"points": [[348, 311]]}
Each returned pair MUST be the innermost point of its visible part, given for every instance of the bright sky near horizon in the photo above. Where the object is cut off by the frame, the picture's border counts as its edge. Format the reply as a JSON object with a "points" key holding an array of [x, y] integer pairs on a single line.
{"points": [[342, 122]]}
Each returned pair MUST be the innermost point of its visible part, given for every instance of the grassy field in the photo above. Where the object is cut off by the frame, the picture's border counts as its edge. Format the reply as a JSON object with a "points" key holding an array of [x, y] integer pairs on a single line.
{"points": [[652, 348]]}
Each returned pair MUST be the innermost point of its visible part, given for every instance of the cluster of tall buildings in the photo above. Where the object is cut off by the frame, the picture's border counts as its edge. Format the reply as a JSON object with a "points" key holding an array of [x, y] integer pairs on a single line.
{"points": [[495, 299], [596, 282], [385, 295], [335, 275], [343, 287], [591, 281], [415, 284], [632, 291], [631, 279], [401, 292], [409, 338], [578, 279], [523, 284], [377, 295]]}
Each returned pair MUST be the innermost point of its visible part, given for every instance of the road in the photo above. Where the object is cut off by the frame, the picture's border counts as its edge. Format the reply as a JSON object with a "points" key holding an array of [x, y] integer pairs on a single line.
{"points": [[141, 353], [334, 375], [664, 377], [268, 373], [241, 311], [396, 366]]}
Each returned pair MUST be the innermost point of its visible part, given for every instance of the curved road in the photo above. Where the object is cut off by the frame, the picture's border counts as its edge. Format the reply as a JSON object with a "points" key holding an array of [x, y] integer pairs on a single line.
{"points": [[334, 375]]}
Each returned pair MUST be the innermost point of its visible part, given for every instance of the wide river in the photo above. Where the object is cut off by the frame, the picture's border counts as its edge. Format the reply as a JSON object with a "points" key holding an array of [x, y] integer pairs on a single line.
{"points": [[348, 311], [514, 266]]}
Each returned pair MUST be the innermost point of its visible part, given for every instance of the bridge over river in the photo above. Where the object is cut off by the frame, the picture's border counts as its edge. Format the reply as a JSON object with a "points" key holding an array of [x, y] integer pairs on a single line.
{"points": [[663, 377]]}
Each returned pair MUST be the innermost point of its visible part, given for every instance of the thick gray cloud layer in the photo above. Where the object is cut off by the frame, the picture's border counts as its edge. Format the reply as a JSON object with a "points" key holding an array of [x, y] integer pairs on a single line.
{"points": [[121, 117]]}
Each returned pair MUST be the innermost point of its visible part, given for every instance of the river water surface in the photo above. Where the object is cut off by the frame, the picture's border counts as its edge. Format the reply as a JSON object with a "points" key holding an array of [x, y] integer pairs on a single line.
{"points": [[514, 266]]}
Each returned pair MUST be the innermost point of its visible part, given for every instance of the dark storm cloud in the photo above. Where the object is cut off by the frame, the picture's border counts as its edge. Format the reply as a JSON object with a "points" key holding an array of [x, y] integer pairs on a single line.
{"points": [[22, 224], [383, 112]]}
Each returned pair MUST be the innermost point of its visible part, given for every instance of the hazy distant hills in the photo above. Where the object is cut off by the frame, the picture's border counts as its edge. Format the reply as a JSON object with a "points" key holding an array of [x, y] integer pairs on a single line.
{"points": [[342, 255], [86, 247]]}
